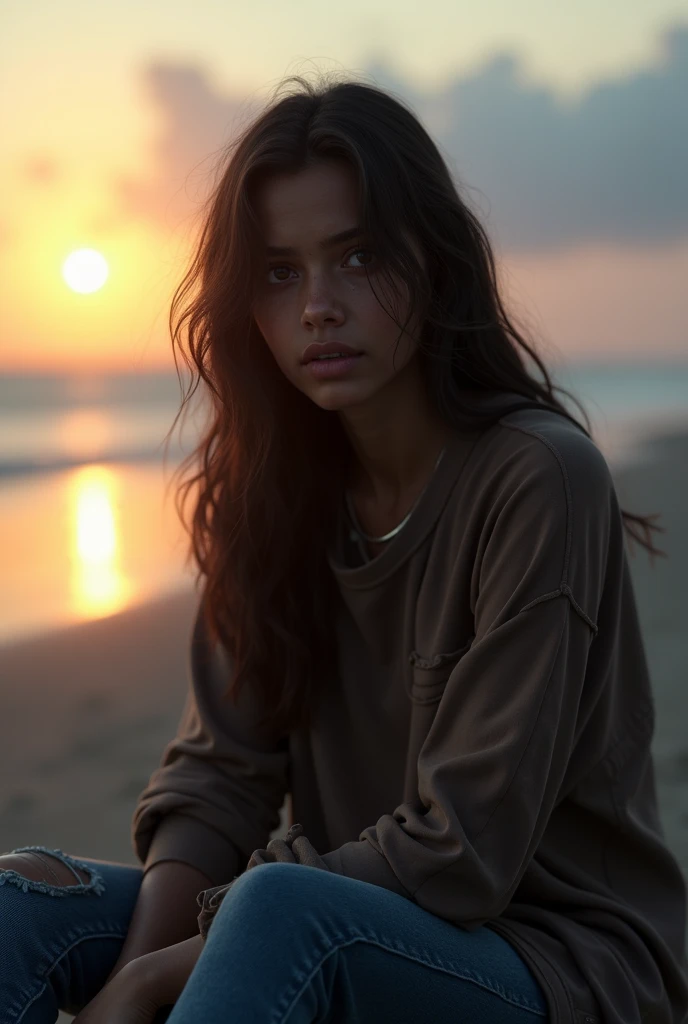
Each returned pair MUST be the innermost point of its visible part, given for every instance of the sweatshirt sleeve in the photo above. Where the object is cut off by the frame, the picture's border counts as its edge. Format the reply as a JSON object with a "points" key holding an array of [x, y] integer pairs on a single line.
{"points": [[218, 791], [492, 763]]}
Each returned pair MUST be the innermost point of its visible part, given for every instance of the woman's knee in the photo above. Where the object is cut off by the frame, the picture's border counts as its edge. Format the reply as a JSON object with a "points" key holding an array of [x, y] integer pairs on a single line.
{"points": [[284, 888], [280, 876], [44, 866]]}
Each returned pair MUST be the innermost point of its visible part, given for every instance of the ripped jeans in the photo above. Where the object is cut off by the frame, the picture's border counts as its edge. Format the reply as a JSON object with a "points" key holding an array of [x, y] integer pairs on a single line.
{"points": [[290, 944]]}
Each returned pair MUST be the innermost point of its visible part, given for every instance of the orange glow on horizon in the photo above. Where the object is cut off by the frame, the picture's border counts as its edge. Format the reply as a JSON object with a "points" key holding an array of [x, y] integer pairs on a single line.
{"points": [[54, 318]]}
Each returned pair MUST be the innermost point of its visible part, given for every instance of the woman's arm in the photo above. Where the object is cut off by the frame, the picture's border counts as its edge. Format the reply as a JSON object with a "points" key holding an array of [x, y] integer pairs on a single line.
{"points": [[166, 910], [218, 791], [164, 973]]}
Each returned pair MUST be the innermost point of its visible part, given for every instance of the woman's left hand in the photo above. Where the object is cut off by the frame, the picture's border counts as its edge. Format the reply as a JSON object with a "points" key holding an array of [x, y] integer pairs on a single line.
{"points": [[143, 986]]}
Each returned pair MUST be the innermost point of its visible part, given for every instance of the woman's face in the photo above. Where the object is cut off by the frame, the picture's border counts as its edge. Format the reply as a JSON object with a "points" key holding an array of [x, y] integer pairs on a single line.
{"points": [[318, 293]]}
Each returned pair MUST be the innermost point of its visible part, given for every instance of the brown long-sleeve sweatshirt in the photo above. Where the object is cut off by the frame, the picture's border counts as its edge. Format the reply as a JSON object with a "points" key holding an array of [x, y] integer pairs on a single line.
{"points": [[484, 746]]}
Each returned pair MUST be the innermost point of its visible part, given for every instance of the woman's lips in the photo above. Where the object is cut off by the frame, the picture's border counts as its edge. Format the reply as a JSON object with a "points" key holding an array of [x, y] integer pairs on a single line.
{"points": [[325, 369]]}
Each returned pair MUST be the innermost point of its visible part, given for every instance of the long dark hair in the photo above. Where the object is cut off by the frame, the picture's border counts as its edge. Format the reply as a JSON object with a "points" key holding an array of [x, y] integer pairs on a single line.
{"points": [[268, 474]]}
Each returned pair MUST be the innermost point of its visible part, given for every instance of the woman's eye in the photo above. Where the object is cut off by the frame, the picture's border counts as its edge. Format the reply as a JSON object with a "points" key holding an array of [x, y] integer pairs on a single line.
{"points": [[271, 270], [354, 252]]}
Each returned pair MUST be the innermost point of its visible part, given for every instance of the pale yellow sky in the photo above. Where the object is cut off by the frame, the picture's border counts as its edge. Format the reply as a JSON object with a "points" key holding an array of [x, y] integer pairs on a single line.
{"points": [[110, 115], [248, 44]]}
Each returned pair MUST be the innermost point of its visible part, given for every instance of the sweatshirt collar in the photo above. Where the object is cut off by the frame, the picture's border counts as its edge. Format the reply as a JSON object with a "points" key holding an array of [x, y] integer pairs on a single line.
{"points": [[423, 518]]}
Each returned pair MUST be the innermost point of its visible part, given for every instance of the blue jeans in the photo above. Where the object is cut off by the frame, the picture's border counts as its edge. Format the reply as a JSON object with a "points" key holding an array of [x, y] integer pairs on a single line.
{"points": [[290, 944]]}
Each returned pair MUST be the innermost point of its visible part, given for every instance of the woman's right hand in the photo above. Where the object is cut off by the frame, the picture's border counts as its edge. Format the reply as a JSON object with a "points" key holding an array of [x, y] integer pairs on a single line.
{"points": [[127, 999], [144, 986]]}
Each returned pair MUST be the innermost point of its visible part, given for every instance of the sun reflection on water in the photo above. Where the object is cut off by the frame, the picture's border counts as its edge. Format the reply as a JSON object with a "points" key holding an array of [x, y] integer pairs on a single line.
{"points": [[98, 585]]}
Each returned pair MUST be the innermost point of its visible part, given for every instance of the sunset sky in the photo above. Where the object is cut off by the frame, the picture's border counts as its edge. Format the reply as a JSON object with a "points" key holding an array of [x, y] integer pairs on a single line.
{"points": [[564, 124]]}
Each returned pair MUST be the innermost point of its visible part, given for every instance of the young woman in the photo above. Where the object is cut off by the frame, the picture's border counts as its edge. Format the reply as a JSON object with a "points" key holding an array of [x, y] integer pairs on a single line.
{"points": [[417, 619]]}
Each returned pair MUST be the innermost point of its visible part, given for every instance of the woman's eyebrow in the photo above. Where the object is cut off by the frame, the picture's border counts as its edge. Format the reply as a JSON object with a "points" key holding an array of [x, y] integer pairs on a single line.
{"points": [[341, 236]]}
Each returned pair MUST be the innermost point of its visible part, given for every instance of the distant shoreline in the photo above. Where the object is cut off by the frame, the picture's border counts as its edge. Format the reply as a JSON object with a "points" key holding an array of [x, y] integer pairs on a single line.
{"points": [[54, 421], [19, 469], [161, 599]]}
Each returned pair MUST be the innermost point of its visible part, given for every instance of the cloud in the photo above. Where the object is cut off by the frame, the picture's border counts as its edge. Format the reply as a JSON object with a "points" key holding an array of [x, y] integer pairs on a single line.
{"points": [[610, 167], [543, 173], [196, 123]]}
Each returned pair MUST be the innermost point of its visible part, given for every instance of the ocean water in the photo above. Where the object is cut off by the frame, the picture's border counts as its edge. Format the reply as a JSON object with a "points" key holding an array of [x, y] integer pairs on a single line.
{"points": [[50, 422], [87, 527]]}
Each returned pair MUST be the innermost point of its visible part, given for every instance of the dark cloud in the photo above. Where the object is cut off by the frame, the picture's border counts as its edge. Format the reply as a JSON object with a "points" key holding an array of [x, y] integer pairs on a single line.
{"points": [[611, 166]]}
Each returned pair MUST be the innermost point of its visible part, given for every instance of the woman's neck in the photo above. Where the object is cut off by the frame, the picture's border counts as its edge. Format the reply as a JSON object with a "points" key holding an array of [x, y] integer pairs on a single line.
{"points": [[377, 515], [394, 487]]}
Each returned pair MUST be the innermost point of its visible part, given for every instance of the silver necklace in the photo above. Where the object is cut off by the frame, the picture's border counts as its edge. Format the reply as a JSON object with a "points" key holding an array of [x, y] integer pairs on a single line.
{"points": [[395, 531]]}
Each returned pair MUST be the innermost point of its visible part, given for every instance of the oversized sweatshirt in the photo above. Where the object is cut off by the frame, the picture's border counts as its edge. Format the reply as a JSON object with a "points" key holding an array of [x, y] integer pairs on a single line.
{"points": [[483, 746]]}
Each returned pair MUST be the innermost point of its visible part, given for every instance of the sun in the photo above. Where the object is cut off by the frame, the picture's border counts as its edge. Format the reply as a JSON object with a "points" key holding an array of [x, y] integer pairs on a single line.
{"points": [[85, 270]]}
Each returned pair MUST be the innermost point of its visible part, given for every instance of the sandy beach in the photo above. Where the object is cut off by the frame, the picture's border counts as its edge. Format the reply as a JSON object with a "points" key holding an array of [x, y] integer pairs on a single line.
{"points": [[87, 711]]}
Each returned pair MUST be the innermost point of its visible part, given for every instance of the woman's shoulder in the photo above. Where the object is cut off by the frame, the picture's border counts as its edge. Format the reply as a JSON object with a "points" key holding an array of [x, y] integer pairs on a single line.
{"points": [[538, 453], [547, 442]]}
